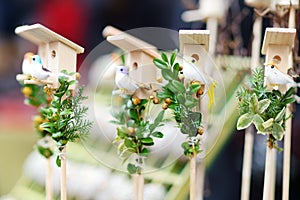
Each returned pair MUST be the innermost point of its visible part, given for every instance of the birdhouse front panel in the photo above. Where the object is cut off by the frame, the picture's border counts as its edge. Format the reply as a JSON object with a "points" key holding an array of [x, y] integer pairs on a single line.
{"points": [[279, 54], [60, 57], [141, 67], [43, 50], [193, 54]]}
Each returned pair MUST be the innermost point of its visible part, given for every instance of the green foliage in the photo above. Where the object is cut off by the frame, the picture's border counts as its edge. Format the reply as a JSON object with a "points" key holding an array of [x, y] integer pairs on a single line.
{"points": [[265, 109], [34, 95], [66, 115], [183, 101], [135, 133]]}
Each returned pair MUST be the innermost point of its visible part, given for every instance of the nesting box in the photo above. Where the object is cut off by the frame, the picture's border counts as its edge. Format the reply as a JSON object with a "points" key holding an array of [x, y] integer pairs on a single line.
{"points": [[258, 3], [139, 57], [57, 53], [277, 46], [192, 44], [207, 9]]}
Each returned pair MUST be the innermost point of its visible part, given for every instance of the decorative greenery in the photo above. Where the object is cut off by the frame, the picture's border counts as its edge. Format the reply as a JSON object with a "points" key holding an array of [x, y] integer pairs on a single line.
{"points": [[182, 98], [65, 114], [263, 108], [135, 133]]}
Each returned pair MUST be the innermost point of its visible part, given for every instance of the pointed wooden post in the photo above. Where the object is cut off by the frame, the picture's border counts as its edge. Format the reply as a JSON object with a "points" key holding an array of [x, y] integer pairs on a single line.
{"points": [[250, 132], [57, 53], [192, 43], [277, 45], [139, 59]]}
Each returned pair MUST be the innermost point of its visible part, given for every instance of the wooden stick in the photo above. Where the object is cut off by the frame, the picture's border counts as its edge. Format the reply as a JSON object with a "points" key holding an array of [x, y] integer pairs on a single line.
{"points": [[63, 185], [48, 183], [247, 163], [212, 26], [273, 175], [138, 183], [200, 171], [249, 133], [288, 130], [270, 170], [193, 177]]}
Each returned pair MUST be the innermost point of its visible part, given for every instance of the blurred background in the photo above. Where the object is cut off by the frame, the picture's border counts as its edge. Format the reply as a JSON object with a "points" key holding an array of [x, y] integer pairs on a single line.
{"points": [[83, 22]]}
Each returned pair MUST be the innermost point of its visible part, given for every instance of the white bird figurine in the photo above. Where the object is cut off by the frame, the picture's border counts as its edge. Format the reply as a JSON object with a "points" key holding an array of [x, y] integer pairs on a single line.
{"points": [[38, 70], [191, 71], [124, 82], [27, 63], [275, 77]]}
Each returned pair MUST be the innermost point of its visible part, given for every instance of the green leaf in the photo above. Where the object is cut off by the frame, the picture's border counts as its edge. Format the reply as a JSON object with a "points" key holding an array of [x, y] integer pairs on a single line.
{"points": [[132, 169], [258, 121], [289, 100], [263, 105], [280, 115], [160, 63], [122, 132], [194, 88], [57, 135], [130, 123], [164, 57], [253, 104], [289, 93], [157, 134], [180, 98], [190, 102], [167, 74], [133, 114], [267, 124], [277, 131], [144, 152], [147, 141], [178, 85], [58, 161], [173, 57], [129, 143], [116, 140], [244, 121], [47, 124], [66, 112], [172, 88]]}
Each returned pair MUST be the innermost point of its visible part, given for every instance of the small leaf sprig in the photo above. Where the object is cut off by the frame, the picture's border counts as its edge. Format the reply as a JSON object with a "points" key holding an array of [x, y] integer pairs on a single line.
{"points": [[135, 133], [66, 116], [181, 97], [36, 96], [265, 109]]}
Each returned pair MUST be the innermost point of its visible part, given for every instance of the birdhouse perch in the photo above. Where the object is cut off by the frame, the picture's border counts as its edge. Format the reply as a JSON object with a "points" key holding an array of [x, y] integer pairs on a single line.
{"points": [[57, 52]]}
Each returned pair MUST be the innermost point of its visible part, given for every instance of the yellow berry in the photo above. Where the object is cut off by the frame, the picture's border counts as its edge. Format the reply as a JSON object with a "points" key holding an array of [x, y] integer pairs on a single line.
{"points": [[40, 128], [155, 100], [165, 106], [78, 75], [151, 97], [38, 119], [136, 101], [180, 68], [130, 130], [200, 131], [168, 101], [27, 91]]}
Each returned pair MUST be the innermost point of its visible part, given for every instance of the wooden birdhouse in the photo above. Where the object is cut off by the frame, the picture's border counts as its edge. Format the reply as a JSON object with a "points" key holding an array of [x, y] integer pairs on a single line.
{"points": [[258, 3], [139, 57], [57, 52], [277, 46], [193, 43]]}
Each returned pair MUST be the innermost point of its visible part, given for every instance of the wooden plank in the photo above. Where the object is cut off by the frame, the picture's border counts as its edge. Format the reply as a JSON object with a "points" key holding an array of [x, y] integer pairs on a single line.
{"points": [[194, 37], [278, 36], [39, 34]]}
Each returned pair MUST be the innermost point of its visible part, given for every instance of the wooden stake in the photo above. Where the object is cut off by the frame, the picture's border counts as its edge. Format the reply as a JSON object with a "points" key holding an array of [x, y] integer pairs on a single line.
{"points": [[48, 183], [200, 171], [63, 185], [193, 177], [249, 133], [270, 171], [247, 163], [288, 130], [138, 183]]}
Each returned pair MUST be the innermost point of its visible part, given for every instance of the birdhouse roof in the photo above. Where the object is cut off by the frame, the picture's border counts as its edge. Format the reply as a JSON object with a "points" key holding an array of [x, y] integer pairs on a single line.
{"points": [[278, 36], [196, 37], [132, 44], [39, 34]]}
